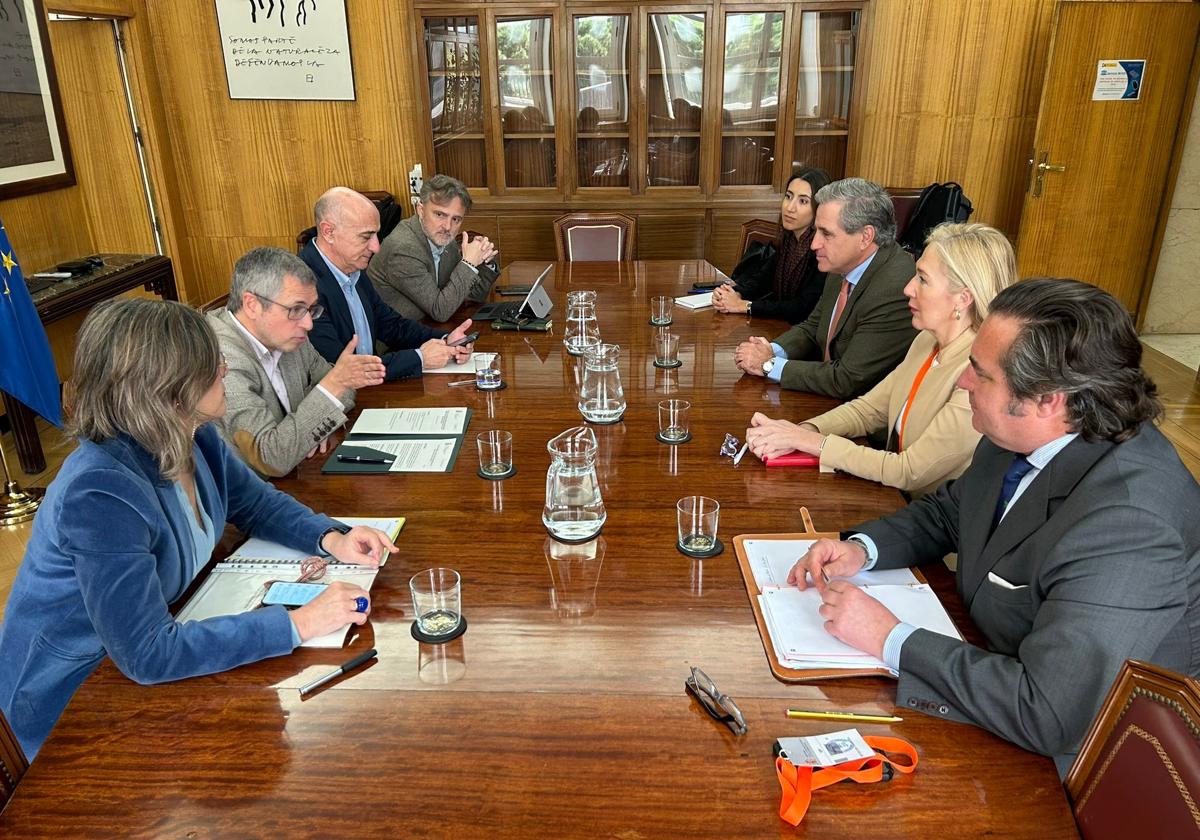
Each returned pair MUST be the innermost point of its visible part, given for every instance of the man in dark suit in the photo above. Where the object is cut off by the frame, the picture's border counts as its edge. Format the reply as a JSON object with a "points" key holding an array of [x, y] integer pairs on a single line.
{"points": [[347, 237], [862, 306], [1077, 530], [422, 270]]}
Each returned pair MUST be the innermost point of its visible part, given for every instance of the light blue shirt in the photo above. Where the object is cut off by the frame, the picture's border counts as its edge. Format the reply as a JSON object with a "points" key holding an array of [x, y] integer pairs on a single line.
{"points": [[1040, 458], [437, 259], [852, 277], [347, 282]]}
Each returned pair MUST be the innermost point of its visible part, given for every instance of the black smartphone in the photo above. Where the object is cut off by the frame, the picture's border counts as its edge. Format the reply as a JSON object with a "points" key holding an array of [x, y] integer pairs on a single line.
{"points": [[707, 285], [469, 338], [513, 290]]}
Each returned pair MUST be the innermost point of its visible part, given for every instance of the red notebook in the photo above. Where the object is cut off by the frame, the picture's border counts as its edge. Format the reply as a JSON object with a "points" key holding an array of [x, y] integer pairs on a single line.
{"points": [[795, 459]]}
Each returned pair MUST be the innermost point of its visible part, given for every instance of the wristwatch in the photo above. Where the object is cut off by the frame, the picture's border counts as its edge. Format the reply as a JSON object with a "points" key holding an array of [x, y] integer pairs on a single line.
{"points": [[340, 529], [768, 365], [749, 304]]}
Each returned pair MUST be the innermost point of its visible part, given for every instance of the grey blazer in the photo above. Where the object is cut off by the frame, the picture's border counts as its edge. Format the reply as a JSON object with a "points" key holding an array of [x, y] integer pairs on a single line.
{"points": [[1102, 554], [872, 336], [402, 272], [255, 425]]}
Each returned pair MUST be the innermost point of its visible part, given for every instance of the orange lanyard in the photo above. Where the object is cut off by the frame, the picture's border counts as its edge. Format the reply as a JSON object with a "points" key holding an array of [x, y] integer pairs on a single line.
{"points": [[798, 783], [908, 402]]}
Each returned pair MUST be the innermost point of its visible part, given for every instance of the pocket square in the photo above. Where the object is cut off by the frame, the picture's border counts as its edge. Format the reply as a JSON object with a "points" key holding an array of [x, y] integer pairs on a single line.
{"points": [[999, 581]]}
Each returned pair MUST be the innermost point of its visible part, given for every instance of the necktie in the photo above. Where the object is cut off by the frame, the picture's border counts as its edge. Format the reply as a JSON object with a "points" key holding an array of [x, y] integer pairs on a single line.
{"points": [[1016, 471], [837, 315]]}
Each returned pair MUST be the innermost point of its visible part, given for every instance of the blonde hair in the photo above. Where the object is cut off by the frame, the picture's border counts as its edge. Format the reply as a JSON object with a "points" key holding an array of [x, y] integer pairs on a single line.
{"points": [[141, 368], [976, 257]]}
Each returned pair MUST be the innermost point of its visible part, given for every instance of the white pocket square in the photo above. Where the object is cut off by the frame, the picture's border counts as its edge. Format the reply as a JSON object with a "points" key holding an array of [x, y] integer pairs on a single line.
{"points": [[999, 581]]}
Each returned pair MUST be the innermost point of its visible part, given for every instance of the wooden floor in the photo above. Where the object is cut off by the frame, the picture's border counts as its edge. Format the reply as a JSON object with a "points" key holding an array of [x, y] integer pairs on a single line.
{"points": [[1176, 384]]}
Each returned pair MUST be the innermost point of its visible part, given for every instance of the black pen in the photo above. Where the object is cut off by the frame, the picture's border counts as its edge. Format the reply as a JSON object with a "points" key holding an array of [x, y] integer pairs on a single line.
{"points": [[358, 459], [361, 659]]}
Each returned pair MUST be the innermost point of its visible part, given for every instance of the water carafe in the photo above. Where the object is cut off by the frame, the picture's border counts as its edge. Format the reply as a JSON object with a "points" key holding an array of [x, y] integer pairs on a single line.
{"points": [[582, 330], [601, 397], [574, 509]]}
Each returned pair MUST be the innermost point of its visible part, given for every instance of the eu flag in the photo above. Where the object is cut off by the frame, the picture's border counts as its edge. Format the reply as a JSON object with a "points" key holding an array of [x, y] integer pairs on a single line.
{"points": [[27, 369]]}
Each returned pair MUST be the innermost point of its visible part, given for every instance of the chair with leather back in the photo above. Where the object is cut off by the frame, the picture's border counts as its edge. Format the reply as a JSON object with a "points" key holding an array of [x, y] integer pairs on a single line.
{"points": [[591, 237], [12, 762], [757, 230], [1138, 772], [382, 199]]}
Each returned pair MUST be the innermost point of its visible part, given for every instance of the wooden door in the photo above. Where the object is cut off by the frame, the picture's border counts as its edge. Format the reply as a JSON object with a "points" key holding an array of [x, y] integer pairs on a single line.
{"points": [[1104, 165]]}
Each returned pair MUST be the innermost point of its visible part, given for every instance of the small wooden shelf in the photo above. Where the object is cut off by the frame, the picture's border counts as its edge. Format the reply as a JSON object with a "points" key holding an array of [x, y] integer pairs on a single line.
{"points": [[841, 68], [452, 74], [818, 132], [446, 136]]}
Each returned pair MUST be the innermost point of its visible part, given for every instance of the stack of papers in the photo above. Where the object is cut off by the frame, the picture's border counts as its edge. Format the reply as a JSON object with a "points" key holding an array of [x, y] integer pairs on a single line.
{"points": [[467, 368], [795, 625], [697, 301], [401, 440]]}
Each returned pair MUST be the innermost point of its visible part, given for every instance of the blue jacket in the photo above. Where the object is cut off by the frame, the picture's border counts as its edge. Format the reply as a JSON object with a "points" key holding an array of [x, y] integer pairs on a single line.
{"points": [[332, 331], [109, 551]]}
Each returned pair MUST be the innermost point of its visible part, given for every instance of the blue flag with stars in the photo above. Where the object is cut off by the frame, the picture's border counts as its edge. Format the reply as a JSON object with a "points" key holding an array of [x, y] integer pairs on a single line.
{"points": [[27, 369]]}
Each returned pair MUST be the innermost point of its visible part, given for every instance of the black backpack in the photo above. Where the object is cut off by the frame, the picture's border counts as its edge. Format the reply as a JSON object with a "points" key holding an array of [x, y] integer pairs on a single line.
{"points": [[938, 203]]}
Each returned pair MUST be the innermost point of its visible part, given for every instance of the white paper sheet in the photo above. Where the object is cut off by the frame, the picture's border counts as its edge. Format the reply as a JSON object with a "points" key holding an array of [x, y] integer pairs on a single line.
{"points": [[410, 421], [771, 560], [420, 455], [467, 368]]}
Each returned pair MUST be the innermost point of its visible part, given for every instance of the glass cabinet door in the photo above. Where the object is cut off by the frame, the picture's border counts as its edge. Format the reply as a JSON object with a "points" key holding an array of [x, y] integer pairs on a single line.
{"points": [[750, 101], [525, 77], [456, 98], [675, 98], [823, 87], [602, 100]]}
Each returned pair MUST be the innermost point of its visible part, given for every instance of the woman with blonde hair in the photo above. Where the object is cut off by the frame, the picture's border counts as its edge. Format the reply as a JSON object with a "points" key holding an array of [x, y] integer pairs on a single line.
{"points": [[133, 516], [918, 411]]}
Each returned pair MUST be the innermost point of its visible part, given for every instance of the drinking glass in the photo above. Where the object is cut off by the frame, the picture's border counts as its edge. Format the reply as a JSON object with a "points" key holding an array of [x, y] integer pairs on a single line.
{"points": [[697, 518], [437, 601], [487, 371]]}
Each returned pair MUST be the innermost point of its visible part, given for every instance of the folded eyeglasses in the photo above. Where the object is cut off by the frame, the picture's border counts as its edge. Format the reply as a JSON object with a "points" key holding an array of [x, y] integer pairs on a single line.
{"points": [[718, 705]]}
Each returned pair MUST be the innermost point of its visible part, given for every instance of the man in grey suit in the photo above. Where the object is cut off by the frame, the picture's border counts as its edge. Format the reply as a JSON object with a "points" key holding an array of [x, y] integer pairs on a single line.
{"points": [[283, 399], [422, 270], [1077, 530], [862, 306]]}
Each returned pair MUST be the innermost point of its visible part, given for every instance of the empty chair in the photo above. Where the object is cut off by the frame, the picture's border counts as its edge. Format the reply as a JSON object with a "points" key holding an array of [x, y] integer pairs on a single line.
{"points": [[1138, 772], [592, 237]]}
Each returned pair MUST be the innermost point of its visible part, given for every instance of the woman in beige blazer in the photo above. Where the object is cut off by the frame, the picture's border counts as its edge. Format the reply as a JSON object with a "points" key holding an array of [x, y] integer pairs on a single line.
{"points": [[927, 416]]}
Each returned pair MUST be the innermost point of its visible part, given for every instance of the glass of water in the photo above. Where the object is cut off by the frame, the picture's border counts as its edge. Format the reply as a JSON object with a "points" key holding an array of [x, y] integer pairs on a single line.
{"points": [[495, 453], [697, 518], [437, 601], [673, 420], [487, 371]]}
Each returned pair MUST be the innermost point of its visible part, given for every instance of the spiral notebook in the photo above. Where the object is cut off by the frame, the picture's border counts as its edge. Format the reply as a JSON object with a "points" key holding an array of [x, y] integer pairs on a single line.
{"points": [[238, 583]]}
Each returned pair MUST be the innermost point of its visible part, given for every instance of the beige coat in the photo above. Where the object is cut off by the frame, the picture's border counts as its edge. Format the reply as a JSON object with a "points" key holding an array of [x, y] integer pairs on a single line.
{"points": [[939, 438]]}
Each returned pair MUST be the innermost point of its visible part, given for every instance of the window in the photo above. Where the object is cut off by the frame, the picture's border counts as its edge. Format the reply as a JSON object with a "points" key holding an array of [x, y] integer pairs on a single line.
{"points": [[456, 98], [750, 101], [525, 79], [675, 98], [602, 100]]}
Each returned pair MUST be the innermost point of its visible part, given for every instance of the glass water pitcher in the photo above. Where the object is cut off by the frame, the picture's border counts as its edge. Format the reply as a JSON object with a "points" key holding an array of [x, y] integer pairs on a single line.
{"points": [[601, 397], [574, 509], [582, 329]]}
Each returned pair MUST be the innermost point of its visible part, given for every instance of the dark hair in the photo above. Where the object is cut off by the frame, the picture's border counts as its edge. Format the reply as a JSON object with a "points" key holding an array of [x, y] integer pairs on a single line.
{"points": [[814, 177], [442, 189], [1077, 339]]}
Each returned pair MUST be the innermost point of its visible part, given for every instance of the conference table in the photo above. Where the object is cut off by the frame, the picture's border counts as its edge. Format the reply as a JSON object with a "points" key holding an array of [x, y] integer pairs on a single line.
{"points": [[561, 712]]}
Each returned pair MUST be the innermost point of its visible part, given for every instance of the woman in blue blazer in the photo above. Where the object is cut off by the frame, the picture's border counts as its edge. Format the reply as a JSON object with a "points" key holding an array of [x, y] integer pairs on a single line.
{"points": [[132, 518]]}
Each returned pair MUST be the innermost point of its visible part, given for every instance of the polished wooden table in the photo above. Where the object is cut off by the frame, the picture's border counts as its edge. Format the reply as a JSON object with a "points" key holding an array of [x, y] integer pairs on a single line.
{"points": [[562, 711]]}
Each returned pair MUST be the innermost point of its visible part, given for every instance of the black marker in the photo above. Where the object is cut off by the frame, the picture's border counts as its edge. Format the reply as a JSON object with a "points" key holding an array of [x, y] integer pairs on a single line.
{"points": [[358, 459], [361, 659]]}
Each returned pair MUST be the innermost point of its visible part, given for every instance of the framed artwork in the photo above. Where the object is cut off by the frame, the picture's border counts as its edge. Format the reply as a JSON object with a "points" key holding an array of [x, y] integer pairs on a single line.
{"points": [[34, 155]]}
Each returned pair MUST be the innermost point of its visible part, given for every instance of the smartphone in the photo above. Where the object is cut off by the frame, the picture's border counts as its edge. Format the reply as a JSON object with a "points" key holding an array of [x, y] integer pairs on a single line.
{"points": [[469, 338], [292, 595], [513, 290], [706, 286]]}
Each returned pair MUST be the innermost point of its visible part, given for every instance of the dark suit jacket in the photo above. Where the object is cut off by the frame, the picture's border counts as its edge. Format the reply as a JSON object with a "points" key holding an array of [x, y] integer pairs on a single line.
{"points": [[332, 331], [402, 272], [872, 335], [1103, 552]]}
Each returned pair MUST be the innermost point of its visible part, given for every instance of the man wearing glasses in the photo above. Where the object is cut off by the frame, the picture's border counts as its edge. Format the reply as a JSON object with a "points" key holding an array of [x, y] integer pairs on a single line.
{"points": [[283, 399]]}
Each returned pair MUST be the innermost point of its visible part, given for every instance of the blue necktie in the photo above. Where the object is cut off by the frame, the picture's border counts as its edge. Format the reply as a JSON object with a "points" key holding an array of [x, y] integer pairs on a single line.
{"points": [[1016, 471]]}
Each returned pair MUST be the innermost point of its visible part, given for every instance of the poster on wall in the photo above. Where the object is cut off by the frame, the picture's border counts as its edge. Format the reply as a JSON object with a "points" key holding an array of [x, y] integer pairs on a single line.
{"points": [[34, 155], [286, 49], [1118, 79]]}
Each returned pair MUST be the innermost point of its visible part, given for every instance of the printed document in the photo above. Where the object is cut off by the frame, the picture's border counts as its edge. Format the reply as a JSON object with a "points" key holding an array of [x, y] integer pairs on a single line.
{"points": [[410, 421]]}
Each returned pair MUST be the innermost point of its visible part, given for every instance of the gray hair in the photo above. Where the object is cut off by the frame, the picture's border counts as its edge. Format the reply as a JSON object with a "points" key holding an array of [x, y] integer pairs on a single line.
{"points": [[442, 189], [863, 203], [261, 272], [1077, 340], [141, 368]]}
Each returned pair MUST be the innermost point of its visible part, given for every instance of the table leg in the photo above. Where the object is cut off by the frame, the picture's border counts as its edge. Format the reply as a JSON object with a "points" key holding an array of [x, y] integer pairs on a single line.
{"points": [[25, 433]]}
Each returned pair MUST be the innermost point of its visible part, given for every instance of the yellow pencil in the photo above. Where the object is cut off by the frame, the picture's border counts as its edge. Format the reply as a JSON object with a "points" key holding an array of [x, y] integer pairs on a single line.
{"points": [[851, 716]]}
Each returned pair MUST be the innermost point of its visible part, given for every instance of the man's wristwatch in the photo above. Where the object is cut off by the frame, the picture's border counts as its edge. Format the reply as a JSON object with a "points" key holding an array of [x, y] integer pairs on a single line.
{"points": [[340, 529], [749, 304], [768, 365]]}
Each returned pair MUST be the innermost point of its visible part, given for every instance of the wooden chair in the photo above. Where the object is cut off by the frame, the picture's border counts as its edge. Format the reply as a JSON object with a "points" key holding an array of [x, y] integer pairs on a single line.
{"points": [[591, 237], [12, 762], [1138, 772], [216, 304], [377, 196], [757, 230]]}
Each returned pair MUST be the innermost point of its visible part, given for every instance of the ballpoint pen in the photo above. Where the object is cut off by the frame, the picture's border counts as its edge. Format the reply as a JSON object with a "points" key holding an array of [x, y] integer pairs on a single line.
{"points": [[459, 382], [361, 659], [358, 459], [737, 459], [850, 716]]}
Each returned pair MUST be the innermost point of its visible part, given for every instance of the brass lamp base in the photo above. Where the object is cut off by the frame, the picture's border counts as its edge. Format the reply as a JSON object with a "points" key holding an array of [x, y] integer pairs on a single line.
{"points": [[17, 505]]}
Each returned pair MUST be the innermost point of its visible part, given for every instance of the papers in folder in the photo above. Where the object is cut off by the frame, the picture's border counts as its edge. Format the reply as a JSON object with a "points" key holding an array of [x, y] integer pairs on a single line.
{"points": [[797, 629], [410, 422]]}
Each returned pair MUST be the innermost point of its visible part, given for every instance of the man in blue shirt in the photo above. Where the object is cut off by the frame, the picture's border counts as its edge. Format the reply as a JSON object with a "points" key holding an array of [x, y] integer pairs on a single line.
{"points": [[347, 237]]}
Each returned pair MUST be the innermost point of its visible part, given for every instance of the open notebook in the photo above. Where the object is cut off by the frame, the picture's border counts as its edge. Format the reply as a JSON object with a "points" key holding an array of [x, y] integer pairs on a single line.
{"points": [[793, 630], [238, 583]]}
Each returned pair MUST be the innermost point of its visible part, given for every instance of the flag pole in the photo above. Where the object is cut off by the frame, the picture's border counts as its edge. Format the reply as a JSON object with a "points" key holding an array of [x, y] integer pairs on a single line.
{"points": [[17, 505]]}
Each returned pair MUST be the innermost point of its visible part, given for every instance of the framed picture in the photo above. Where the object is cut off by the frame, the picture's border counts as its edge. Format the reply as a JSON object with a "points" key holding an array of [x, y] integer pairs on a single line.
{"points": [[34, 155]]}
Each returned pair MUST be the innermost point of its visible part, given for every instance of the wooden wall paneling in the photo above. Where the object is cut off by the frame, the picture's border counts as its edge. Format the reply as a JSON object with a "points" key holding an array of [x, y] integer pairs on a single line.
{"points": [[527, 236], [678, 235], [103, 8], [725, 231], [106, 162], [46, 228]]}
